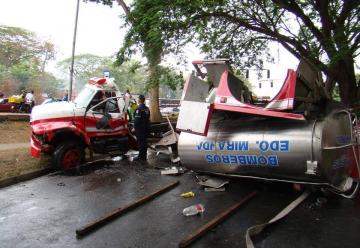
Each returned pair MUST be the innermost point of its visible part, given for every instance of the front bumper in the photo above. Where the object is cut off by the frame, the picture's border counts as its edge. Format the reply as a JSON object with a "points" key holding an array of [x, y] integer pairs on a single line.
{"points": [[35, 147]]}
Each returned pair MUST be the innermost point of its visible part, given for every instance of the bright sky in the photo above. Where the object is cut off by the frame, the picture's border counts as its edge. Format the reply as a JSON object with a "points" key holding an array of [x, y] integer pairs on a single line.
{"points": [[98, 26]]}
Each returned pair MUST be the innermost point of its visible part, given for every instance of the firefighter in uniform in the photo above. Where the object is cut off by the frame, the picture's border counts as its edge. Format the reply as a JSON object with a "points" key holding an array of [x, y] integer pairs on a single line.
{"points": [[142, 127]]}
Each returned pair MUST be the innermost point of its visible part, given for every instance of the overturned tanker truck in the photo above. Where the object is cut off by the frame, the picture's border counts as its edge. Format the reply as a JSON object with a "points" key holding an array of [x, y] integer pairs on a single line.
{"points": [[300, 136]]}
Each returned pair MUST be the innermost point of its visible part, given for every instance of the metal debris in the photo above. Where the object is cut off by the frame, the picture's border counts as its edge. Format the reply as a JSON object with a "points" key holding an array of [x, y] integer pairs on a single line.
{"points": [[320, 201], [211, 182], [172, 171], [116, 159], [208, 189]]}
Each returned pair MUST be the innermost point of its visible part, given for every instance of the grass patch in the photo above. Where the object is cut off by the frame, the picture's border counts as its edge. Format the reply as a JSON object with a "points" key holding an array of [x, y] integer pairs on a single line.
{"points": [[14, 132]]}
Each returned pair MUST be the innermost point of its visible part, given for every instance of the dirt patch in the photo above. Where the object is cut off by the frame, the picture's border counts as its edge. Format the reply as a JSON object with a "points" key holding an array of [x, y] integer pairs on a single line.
{"points": [[16, 162], [14, 132]]}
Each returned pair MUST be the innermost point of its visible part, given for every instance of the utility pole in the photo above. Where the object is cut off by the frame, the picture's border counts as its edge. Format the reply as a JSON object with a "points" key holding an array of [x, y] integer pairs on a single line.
{"points": [[73, 51]]}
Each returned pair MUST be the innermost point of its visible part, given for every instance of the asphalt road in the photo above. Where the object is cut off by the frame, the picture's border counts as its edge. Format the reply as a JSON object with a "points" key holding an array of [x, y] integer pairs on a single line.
{"points": [[45, 212]]}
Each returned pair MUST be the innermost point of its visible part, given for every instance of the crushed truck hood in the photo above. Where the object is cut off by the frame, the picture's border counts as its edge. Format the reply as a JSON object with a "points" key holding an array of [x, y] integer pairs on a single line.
{"points": [[55, 110]]}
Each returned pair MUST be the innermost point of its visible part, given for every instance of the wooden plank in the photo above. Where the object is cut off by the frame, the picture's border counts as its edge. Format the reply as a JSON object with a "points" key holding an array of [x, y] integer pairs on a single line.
{"points": [[215, 221], [120, 211]]}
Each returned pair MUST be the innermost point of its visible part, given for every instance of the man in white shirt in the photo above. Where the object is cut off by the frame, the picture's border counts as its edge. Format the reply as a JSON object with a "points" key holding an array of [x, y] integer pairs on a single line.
{"points": [[30, 98]]}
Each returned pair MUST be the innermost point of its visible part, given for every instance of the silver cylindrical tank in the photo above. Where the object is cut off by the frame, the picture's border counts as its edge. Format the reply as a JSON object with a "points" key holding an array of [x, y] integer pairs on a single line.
{"points": [[315, 151]]}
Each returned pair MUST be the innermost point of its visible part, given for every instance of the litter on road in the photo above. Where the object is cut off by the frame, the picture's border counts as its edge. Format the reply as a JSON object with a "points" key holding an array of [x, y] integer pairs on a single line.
{"points": [[188, 194], [211, 182], [172, 171], [208, 189], [194, 210], [215, 221]]}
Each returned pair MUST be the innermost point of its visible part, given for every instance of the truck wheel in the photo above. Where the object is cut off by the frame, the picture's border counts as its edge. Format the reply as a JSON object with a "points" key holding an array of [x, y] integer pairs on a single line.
{"points": [[68, 155]]}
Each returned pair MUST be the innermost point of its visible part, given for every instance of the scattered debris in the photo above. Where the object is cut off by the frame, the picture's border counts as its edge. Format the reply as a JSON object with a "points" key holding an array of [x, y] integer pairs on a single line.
{"points": [[194, 210], [209, 189], [188, 194], [172, 171], [118, 180], [61, 184], [132, 153], [116, 159], [320, 201], [175, 160], [211, 182]]}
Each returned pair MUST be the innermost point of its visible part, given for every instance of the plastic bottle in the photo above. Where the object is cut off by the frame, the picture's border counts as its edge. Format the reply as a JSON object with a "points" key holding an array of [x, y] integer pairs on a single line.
{"points": [[193, 210]]}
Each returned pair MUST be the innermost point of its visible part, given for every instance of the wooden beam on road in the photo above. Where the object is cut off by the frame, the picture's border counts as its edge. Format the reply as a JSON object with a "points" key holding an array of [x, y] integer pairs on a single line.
{"points": [[120, 211], [215, 221]]}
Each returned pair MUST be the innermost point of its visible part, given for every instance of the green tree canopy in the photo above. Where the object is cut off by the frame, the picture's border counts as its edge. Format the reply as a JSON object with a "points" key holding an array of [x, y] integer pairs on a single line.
{"points": [[145, 34], [23, 58], [17, 45], [323, 32], [130, 75]]}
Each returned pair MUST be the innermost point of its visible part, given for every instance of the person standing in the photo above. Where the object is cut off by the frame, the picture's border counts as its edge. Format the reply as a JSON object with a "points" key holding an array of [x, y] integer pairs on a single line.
{"points": [[127, 97], [66, 96], [2, 98], [142, 127], [30, 98], [29, 102]]}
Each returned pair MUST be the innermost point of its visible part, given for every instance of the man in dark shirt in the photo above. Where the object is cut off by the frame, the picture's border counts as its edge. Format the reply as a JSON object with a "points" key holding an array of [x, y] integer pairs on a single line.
{"points": [[142, 127]]}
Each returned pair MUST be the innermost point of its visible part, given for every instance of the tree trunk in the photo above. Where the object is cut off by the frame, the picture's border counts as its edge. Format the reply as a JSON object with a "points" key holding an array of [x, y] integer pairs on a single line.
{"points": [[155, 114], [153, 83], [329, 86], [344, 74]]}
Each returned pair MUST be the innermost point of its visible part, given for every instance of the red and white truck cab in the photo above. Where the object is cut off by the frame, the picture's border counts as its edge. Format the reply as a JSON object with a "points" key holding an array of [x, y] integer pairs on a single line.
{"points": [[95, 119]]}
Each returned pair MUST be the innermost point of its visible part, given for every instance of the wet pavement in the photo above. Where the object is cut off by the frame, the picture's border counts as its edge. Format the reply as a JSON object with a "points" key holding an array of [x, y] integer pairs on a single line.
{"points": [[45, 212]]}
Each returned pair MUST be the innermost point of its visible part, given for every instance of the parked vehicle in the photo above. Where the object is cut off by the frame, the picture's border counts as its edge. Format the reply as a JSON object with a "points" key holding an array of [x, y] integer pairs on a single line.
{"points": [[51, 100], [5, 106]]}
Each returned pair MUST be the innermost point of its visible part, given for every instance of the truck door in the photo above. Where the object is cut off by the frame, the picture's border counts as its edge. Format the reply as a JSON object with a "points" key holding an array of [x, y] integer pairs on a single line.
{"points": [[106, 118], [196, 109]]}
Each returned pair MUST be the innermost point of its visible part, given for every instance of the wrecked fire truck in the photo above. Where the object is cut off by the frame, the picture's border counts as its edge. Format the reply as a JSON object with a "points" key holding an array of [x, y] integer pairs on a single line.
{"points": [[93, 119], [97, 119], [300, 136]]}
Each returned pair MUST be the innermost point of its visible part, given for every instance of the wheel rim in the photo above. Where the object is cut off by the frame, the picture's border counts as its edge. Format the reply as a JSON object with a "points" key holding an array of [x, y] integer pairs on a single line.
{"points": [[72, 158]]}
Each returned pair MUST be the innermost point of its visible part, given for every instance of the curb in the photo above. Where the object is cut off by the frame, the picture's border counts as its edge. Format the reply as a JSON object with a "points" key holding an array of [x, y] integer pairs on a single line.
{"points": [[14, 117], [25, 177]]}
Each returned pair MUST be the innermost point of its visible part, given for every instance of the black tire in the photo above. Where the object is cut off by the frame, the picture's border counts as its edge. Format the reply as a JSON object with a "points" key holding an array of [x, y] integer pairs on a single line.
{"points": [[68, 155]]}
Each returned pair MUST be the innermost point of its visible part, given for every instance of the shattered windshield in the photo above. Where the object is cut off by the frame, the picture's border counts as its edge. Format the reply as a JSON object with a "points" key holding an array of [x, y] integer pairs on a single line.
{"points": [[84, 97]]}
